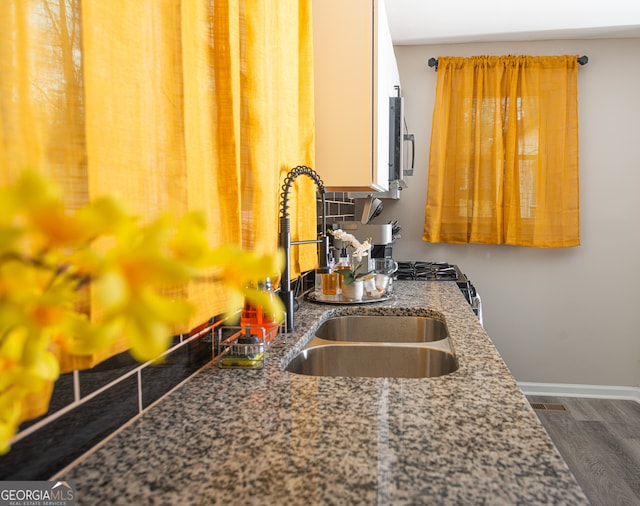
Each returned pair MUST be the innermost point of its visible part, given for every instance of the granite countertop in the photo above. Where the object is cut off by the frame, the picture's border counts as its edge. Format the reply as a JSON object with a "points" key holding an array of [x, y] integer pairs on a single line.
{"points": [[271, 437]]}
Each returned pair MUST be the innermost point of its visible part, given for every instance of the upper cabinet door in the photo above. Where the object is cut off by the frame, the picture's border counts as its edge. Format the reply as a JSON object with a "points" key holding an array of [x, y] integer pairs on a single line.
{"points": [[355, 74]]}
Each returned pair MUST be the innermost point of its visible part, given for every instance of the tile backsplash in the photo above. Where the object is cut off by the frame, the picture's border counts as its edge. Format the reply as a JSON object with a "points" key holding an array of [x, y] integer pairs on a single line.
{"points": [[88, 406], [339, 207]]}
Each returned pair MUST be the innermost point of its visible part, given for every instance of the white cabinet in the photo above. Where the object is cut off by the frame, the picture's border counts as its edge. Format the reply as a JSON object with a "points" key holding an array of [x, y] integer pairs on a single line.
{"points": [[355, 74]]}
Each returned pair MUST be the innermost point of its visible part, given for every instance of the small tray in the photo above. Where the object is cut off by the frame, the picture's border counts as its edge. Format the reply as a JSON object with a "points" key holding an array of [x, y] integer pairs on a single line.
{"points": [[337, 299], [233, 353]]}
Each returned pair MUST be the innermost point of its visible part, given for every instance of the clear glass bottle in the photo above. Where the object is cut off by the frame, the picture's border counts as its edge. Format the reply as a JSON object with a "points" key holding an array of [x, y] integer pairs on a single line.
{"points": [[344, 263]]}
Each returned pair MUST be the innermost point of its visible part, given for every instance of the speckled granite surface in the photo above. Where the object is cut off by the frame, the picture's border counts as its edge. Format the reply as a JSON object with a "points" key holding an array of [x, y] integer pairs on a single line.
{"points": [[271, 437]]}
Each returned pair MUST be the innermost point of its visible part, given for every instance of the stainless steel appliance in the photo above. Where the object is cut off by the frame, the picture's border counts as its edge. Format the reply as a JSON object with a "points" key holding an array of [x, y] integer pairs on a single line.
{"points": [[401, 159], [399, 166], [381, 236]]}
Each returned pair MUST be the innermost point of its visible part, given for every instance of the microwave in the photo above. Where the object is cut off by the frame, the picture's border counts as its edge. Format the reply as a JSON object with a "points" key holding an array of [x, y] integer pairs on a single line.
{"points": [[401, 152], [401, 160]]}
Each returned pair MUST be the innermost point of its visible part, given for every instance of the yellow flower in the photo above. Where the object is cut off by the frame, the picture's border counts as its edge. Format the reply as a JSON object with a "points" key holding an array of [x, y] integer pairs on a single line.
{"points": [[24, 368], [9, 419], [48, 255], [189, 243], [240, 270]]}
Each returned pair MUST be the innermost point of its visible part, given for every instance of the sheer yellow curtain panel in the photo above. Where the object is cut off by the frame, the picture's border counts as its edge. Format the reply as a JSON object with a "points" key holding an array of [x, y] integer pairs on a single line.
{"points": [[42, 123], [168, 105], [279, 127], [41, 94], [503, 165]]}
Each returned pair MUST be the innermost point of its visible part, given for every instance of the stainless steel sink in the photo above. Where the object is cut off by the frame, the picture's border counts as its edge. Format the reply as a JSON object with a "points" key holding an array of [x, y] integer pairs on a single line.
{"points": [[383, 329], [391, 346], [373, 361]]}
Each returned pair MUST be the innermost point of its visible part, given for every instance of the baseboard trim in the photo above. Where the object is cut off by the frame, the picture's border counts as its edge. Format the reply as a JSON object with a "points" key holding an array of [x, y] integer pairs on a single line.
{"points": [[570, 390]]}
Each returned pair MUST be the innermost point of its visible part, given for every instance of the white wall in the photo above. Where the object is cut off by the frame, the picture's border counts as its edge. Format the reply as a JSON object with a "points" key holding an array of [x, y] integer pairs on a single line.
{"points": [[556, 315]]}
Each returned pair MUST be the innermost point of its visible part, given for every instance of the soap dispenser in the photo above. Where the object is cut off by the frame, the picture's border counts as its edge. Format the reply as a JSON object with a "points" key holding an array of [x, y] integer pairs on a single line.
{"points": [[255, 318]]}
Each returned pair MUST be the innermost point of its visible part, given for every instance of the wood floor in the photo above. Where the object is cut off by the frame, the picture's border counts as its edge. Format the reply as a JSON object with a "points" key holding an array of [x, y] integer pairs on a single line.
{"points": [[600, 441]]}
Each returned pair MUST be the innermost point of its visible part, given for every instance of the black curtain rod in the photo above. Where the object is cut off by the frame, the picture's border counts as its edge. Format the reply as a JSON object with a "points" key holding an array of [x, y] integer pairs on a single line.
{"points": [[433, 62]]}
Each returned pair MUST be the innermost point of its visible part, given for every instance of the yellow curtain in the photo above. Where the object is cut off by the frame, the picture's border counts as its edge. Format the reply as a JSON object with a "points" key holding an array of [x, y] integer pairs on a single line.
{"points": [[168, 105], [280, 124], [503, 166]]}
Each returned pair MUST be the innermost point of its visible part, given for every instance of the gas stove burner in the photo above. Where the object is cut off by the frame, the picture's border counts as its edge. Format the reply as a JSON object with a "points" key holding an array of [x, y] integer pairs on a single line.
{"points": [[446, 273], [405, 270], [428, 271]]}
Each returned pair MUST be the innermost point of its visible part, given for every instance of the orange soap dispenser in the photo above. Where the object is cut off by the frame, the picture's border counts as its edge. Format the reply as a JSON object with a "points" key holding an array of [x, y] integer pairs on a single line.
{"points": [[256, 318]]}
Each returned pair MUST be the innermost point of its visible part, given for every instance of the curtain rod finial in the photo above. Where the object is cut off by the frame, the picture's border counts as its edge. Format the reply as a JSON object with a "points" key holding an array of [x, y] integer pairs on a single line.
{"points": [[583, 60], [433, 62]]}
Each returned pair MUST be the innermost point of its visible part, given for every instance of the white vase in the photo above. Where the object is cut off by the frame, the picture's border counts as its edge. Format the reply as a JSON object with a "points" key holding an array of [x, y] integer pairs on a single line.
{"points": [[353, 291]]}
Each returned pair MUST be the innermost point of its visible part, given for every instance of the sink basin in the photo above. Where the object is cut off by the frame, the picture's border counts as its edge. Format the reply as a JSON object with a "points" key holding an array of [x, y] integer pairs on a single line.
{"points": [[383, 329], [389, 346], [369, 360]]}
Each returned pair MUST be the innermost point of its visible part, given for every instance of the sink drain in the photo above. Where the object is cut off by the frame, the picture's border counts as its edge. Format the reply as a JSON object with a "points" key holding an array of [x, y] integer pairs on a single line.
{"points": [[548, 406]]}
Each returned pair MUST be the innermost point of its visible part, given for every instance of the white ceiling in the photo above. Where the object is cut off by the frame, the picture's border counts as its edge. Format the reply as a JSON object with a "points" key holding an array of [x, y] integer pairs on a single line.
{"points": [[456, 21]]}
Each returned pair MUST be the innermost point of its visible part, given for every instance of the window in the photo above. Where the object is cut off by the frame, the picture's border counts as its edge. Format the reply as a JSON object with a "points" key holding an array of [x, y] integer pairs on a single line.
{"points": [[503, 167]]}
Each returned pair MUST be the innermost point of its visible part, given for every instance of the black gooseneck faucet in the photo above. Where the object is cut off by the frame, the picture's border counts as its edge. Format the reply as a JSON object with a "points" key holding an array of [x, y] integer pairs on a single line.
{"points": [[285, 238]]}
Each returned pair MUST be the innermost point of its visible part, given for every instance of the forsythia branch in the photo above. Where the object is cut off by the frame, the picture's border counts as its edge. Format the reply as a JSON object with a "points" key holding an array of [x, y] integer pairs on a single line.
{"points": [[47, 255]]}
